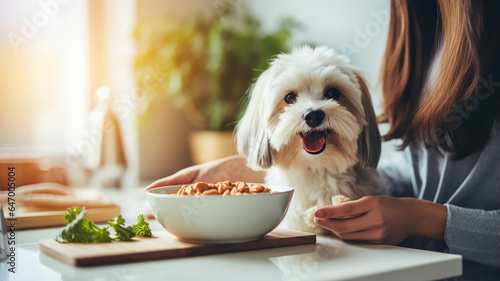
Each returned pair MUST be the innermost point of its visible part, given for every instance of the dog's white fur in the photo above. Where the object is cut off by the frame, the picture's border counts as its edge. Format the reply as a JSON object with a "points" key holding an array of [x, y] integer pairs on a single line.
{"points": [[269, 132]]}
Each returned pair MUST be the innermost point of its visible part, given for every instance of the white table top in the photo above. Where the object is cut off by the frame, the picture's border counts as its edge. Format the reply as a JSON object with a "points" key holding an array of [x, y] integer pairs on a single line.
{"points": [[329, 259]]}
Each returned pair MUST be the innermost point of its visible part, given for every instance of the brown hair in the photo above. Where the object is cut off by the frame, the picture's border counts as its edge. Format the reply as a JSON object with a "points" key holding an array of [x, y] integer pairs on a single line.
{"points": [[467, 30]]}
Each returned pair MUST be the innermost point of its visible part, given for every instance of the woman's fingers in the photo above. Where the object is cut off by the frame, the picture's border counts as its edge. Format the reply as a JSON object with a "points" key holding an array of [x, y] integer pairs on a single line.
{"points": [[347, 209], [373, 236], [185, 176], [380, 219], [342, 226], [158, 183]]}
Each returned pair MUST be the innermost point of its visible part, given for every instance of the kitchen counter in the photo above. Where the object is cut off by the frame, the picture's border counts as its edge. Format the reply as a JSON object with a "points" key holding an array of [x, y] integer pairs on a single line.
{"points": [[329, 259]]}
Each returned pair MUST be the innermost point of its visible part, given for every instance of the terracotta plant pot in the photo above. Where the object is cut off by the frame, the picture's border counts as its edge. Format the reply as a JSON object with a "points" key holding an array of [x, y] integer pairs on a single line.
{"points": [[211, 145]]}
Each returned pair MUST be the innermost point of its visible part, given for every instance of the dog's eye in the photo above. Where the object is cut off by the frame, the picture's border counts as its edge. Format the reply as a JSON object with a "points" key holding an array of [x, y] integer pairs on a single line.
{"points": [[290, 98], [332, 94]]}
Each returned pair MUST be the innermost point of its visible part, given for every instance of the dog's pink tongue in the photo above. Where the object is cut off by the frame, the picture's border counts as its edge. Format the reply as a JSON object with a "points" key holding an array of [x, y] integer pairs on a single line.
{"points": [[314, 141]]}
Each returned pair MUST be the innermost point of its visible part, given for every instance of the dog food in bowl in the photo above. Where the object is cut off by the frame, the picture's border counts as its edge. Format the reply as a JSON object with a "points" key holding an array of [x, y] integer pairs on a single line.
{"points": [[219, 219], [222, 188]]}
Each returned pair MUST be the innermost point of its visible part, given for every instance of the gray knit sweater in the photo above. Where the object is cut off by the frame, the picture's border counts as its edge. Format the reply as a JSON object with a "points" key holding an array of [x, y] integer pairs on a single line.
{"points": [[469, 188]]}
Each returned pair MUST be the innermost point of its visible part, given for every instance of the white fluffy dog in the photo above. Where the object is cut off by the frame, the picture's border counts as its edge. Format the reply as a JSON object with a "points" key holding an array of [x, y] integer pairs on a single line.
{"points": [[310, 123]]}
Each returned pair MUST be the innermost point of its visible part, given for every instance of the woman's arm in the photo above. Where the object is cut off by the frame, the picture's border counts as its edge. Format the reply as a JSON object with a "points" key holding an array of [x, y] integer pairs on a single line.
{"points": [[231, 168], [474, 234]]}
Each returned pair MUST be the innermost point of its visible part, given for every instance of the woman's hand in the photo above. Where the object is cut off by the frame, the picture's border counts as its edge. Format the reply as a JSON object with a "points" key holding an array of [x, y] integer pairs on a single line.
{"points": [[231, 168], [384, 219]]}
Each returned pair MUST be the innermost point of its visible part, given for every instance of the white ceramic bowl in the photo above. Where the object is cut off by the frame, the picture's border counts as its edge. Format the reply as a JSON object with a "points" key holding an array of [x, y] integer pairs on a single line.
{"points": [[219, 219]]}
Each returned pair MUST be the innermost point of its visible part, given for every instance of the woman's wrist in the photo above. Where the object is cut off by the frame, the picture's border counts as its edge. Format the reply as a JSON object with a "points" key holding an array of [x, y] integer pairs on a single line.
{"points": [[429, 219]]}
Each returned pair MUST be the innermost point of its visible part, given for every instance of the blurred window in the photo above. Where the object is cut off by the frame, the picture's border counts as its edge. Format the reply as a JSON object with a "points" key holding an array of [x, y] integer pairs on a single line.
{"points": [[44, 80]]}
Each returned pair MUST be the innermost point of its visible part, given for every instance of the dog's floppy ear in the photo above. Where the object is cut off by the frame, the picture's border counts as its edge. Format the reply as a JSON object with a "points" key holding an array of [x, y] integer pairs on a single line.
{"points": [[251, 131], [369, 142]]}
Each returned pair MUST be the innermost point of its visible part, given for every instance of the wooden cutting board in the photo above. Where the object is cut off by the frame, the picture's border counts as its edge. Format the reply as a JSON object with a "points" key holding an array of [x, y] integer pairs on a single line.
{"points": [[43, 210], [29, 218], [162, 246]]}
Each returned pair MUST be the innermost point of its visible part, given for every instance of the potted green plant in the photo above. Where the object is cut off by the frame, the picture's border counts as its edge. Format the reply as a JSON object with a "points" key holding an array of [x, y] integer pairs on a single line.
{"points": [[205, 67]]}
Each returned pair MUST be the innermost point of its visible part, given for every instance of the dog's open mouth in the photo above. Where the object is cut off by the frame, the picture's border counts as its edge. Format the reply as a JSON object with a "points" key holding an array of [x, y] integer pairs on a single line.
{"points": [[314, 142]]}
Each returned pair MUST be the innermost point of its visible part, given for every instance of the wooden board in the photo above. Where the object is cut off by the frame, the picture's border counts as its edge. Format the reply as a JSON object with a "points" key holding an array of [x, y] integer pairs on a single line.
{"points": [[26, 218], [162, 246], [37, 209]]}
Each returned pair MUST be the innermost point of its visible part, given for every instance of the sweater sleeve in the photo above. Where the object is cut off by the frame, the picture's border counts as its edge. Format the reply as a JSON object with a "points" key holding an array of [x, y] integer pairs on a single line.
{"points": [[474, 234], [395, 172]]}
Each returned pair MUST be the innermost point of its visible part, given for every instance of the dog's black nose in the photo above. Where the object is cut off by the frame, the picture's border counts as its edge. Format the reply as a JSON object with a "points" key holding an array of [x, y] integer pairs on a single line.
{"points": [[314, 118]]}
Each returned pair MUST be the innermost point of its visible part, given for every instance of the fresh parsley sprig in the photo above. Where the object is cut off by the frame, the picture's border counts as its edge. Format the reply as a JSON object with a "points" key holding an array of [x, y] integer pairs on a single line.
{"points": [[122, 233], [79, 230], [142, 227]]}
